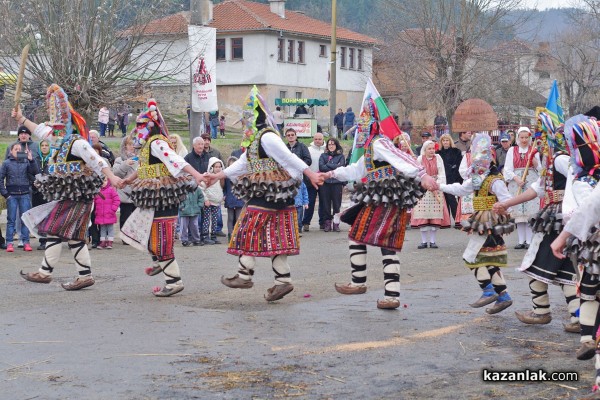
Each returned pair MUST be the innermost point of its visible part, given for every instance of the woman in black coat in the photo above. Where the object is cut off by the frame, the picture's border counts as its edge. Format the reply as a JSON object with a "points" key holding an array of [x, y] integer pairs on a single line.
{"points": [[330, 194], [452, 158]]}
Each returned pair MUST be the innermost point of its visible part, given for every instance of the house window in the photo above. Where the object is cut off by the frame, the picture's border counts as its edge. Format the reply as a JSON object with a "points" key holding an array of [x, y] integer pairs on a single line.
{"points": [[237, 48], [220, 49], [359, 60], [281, 50], [283, 94], [322, 50], [351, 58], [342, 57], [544, 75], [298, 95], [291, 51], [301, 52]]}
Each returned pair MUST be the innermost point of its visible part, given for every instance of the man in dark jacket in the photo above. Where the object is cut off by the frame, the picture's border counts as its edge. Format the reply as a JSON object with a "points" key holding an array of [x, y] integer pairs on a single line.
{"points": [[24, 138], [198, 158], [16, 176], [349, 118], [299, 149], [338, 121]]}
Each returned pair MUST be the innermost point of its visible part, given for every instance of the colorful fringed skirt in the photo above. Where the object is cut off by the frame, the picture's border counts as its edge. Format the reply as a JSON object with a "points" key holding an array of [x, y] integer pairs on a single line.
{"points": [[380, 226], [492, 253], [68, 220], [265, 232], [162, 233]]}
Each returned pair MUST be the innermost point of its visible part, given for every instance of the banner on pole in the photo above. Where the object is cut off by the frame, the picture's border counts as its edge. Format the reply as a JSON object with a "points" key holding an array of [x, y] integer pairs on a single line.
{"points": [[202, 48]]}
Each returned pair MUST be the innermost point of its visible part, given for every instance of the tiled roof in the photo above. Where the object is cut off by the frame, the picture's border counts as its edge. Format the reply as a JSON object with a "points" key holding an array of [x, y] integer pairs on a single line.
{"points": [[244, 15]]}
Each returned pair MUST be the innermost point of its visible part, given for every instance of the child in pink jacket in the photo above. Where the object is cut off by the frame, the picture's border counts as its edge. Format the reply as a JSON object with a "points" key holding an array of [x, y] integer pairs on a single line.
{"points": [[106, 204]]}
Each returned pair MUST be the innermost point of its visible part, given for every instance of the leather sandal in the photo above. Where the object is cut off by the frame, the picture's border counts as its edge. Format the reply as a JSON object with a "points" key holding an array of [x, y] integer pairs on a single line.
{"points": [[348, 288], [79, 283], [388, 304], [236, 282], [36, 277], [166, 292], [278, 291]]}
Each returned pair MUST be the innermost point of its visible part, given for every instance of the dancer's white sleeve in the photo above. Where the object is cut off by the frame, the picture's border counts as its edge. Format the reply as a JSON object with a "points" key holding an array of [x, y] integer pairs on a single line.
{"points": [[458, 189], [82, 149], [239, 167], [276, 149], [586, 216], [173, 161]]}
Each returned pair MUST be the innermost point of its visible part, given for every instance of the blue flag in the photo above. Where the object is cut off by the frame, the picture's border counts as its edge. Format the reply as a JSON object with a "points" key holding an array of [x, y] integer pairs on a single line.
{"points": [[554, 107]]}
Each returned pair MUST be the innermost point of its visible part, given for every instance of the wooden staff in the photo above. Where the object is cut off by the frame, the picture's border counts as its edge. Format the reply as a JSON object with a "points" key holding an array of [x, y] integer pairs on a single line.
{"points": [[19, 85], [526, 170]]}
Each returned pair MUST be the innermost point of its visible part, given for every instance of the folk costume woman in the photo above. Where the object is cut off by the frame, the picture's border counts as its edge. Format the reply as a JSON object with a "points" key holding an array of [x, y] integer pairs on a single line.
{"points": [[582, 135], [520, 171], [392, 181], [486, 251], [431, 213], [539, 263], [266, 176], [74, 178], [159, 185]]}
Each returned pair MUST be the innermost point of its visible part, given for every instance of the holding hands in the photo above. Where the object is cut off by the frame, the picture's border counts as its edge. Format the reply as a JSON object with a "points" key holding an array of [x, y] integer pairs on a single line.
{"points": [[500, 208], [429, 183]]}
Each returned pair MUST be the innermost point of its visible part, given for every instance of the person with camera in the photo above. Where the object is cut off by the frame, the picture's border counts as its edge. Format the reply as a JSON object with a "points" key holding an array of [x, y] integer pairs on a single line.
{"points": [[16, 177]]}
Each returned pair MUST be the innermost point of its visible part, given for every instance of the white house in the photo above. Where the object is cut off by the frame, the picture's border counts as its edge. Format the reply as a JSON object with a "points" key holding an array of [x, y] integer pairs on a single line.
{"points": [[285, 53]]}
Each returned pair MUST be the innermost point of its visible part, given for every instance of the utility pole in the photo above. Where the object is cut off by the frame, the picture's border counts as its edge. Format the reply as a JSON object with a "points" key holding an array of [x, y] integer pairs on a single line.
{"points": [[199, 15], [333, 70]]}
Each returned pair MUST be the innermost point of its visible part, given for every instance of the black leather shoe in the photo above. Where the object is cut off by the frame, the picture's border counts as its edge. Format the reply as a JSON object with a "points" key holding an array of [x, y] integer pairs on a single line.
{"points": [[520, 246], [422, 246], [3, 246], [433, 246]]}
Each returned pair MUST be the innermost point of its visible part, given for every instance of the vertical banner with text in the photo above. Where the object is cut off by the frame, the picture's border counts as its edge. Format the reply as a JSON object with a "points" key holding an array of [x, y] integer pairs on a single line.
{"points": [[202, 48]]}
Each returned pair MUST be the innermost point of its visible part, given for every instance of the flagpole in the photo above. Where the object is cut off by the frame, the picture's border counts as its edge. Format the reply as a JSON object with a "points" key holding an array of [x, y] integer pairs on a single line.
{"points": [[332, 69]]}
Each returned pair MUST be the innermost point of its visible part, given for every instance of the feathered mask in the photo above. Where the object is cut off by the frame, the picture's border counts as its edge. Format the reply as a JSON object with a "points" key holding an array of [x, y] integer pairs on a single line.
{"points": [[146, 121], [62, 117], [481, 156], [581, 134], [368, 123], [255, 116]]}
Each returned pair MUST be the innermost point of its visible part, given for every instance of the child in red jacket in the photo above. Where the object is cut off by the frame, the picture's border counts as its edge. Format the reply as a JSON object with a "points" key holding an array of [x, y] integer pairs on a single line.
{"points": [[106, 204]]}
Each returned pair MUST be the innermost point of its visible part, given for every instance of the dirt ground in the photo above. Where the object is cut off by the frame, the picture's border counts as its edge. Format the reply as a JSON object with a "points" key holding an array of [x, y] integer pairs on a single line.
{"points": [[115, 340]]}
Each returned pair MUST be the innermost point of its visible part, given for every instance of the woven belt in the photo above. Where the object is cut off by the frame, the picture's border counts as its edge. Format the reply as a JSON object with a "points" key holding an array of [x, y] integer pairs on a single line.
{"points": [[153, 171], [483, 203], [65, 168], [380, 173], [554, 196], [262, 165]]}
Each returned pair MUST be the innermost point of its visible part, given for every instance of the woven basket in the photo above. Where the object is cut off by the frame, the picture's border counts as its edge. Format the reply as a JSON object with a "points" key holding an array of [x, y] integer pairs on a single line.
{"points": [[474, 115]]}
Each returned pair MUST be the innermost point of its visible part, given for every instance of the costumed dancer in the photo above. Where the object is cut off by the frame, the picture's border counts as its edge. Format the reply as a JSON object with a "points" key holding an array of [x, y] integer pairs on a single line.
{"points": [[74, 178], [159, 185], [486, 251], [582, 135], [431, 212], [267, 177], [464, 210], [520, 171], [392, 181], [539, 263]]}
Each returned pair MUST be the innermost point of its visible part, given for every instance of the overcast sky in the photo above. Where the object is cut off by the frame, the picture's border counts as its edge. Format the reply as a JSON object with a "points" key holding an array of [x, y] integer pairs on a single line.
{"points": [[543, 4]]}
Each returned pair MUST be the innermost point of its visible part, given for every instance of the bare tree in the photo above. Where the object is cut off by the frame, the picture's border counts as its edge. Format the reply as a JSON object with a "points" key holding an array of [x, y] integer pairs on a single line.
{"points": [[578, 54], [99, 51], [445, 48]]}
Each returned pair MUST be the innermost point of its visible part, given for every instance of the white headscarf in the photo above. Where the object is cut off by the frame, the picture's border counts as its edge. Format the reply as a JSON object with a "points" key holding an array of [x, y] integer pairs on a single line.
{"points": [[424, 147]]}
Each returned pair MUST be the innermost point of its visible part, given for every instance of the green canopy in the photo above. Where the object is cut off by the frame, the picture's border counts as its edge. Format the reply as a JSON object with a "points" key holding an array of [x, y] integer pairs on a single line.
{"points": [[300, 102]]}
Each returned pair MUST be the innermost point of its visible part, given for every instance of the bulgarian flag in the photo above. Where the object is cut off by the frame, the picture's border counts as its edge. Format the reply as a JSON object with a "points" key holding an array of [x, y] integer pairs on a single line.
{"points": [[387, 124]]}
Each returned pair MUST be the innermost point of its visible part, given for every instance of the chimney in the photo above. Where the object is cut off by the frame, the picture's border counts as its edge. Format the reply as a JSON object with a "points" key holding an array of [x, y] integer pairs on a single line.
{"points": [[277, 7], [201, 12]]}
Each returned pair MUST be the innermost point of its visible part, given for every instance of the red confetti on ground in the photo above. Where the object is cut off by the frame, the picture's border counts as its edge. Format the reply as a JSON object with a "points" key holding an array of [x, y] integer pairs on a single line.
{"points": [[405, 305], [307, 295]]}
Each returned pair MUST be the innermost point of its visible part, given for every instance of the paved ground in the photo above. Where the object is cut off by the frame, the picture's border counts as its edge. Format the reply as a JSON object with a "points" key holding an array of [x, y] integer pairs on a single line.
{"points": [[116, 341]]}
